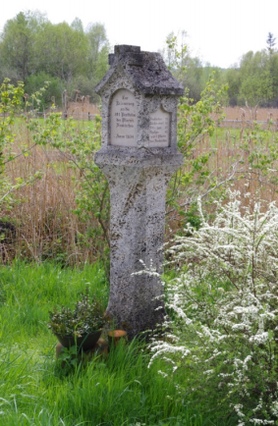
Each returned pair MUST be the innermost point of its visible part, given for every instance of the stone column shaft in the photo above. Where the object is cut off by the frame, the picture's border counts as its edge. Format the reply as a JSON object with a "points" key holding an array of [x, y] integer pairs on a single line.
{"points": [[137, 229]]}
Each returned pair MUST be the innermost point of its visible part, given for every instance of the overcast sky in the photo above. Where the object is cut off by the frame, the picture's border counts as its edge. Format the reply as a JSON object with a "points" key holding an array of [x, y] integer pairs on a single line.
{"points": [[219, 31]]}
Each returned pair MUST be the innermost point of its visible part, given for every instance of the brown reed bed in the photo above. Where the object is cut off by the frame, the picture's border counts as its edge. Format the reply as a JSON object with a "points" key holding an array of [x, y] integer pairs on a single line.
{"points": [[251, 113], [42, 212], [46, 227], [229, 161]]}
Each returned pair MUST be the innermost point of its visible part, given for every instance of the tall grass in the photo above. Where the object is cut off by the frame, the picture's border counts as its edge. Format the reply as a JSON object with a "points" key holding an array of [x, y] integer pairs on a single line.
{"points": [[46, 226], [119, 390], [230, 152]]}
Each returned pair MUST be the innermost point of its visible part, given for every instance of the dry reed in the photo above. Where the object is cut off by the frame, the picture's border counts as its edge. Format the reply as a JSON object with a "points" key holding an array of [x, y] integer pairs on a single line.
{"points": [[42, 213], [230, 162]]}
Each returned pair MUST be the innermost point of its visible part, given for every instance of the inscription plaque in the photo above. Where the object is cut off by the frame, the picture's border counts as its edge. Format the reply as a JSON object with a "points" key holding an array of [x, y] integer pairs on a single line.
{"points": [[159, 128], [123, 119]]}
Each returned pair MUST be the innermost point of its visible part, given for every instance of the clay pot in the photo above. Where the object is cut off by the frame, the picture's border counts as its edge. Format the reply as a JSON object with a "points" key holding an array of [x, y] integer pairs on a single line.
{"points": [[115, 336], [84, 342]]}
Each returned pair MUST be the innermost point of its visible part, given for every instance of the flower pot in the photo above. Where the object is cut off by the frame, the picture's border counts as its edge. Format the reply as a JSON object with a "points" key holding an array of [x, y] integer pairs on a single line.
{"points": [[85, 342], [115, 336]]}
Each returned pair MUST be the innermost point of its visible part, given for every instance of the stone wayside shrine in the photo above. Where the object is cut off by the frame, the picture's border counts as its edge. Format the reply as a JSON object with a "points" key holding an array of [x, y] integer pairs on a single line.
{"points": [[138, 157]]}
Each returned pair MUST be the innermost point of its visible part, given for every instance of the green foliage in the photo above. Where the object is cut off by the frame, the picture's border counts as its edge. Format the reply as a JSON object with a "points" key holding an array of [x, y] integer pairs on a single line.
{"points": [[52, 94], [18, 47], [78, 142], [29, 292], [176, 54], [224, 301], [187, 70], [271, 41], [118, 390], [232, 77], [60, 51], [10, 104], [194, 178], [10, 98], [77, 25], [98, 51], [195, 119], [86, 87], [88, 316], [258, 160], [194, 124], [31, 46], [256, 79]]}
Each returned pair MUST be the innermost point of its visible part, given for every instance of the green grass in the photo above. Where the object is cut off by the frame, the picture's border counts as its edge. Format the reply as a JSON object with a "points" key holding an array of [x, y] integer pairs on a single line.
{"points": [[34, 390]]}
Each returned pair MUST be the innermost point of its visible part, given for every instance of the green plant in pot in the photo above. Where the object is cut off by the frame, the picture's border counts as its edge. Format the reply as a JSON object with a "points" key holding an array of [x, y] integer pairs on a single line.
{"points": [[81, 326]]}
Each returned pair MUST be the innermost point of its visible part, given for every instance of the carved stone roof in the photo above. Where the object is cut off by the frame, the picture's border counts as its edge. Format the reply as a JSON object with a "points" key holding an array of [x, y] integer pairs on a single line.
{"points": [[146, 71]]}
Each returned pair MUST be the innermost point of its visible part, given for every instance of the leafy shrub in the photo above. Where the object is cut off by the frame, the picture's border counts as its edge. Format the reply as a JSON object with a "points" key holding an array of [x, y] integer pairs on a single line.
{"points": [[224, 304], [53, 92], [87, 317]]}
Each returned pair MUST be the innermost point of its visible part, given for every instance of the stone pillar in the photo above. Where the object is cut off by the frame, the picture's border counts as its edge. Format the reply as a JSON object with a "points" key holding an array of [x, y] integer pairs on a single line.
{"points": [[137, 228], [138, 157]]}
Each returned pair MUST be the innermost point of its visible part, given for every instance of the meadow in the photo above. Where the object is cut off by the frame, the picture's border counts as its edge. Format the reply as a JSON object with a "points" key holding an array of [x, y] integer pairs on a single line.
{"points": [[58, 251], [119, 390]]}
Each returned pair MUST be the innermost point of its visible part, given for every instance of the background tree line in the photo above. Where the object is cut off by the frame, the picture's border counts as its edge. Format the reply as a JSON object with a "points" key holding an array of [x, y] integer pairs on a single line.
{"points": [[253, 81], [69, 57], [34, 50]]}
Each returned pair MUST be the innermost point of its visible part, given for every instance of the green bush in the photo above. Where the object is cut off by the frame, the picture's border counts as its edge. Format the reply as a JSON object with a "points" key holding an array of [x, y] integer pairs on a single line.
{"points": [[52, 94], [85, 318], [224, 305]]}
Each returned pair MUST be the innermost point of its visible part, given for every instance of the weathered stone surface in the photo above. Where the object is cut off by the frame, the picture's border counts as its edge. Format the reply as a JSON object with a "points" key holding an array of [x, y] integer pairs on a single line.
{"points": [[153, 89], [146, 70], [137, 228], [138, 156]]}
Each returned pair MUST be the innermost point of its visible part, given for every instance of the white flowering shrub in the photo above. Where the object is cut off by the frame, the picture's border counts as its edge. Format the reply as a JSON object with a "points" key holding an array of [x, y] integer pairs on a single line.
{"points": [[224, 310]]}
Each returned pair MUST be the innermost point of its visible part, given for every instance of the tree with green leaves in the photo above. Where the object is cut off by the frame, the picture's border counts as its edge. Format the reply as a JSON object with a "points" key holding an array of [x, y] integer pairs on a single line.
{"points": [[232, 77], [52, 94], [271, 41], [77, 25], [18, 42], [98, 51], [188, 70], [61, 51], [256, 78], [32, 47]]}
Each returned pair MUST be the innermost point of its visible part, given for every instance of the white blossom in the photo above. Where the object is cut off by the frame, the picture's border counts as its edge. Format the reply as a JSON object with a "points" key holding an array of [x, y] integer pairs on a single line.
{"points": [[226, 302]]}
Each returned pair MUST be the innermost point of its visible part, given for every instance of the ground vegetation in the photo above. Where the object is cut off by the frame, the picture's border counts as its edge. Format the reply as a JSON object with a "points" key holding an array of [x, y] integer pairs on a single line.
{"points": [[222, 252]]}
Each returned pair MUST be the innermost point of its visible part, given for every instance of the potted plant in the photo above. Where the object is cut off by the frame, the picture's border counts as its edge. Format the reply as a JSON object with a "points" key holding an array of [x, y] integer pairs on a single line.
{"points": [[81, 326]]}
